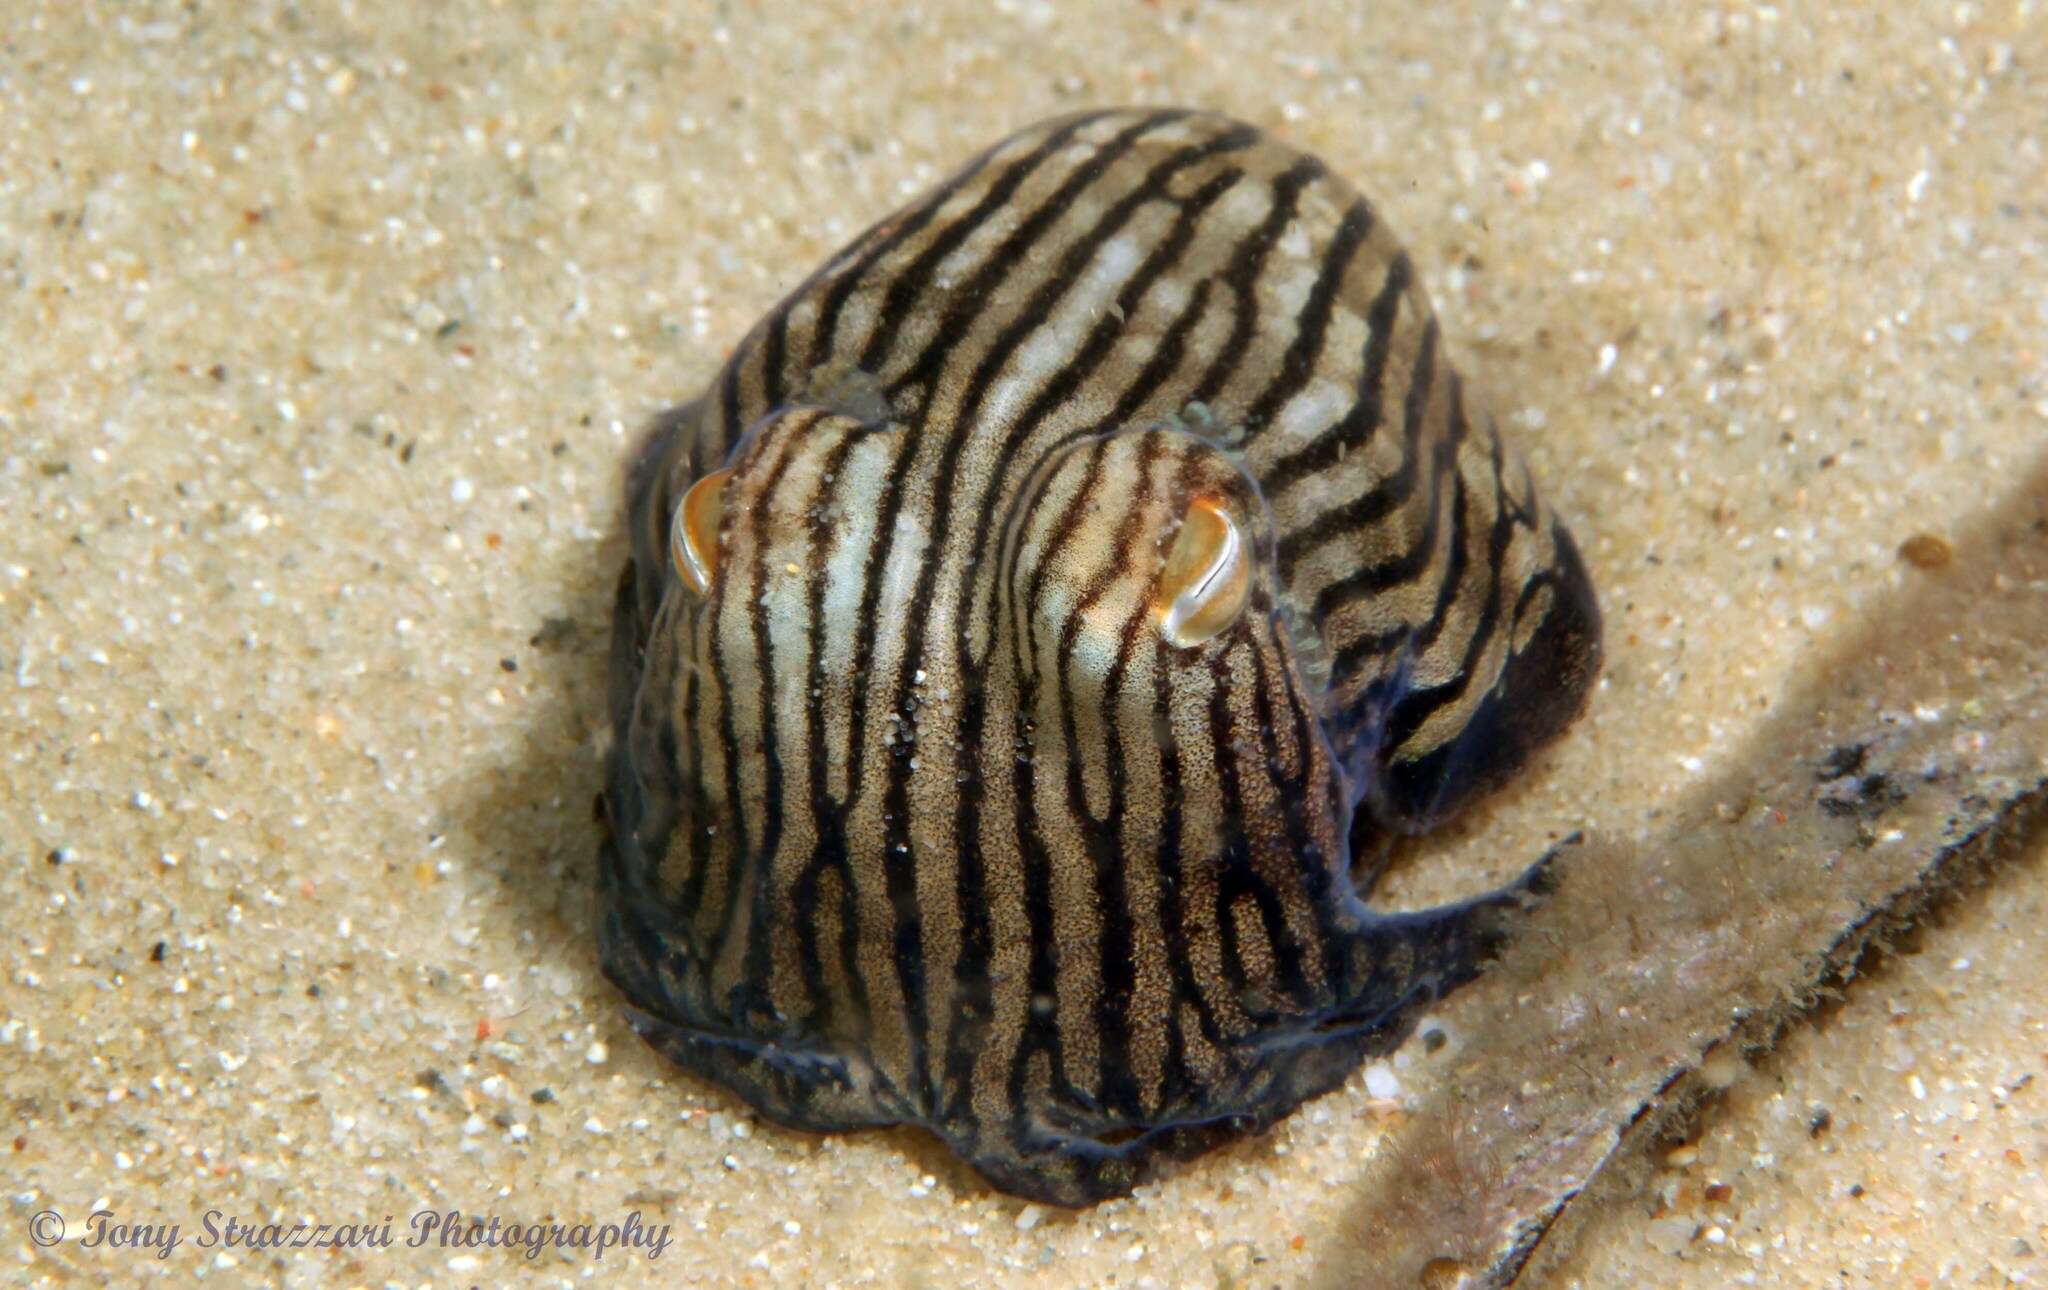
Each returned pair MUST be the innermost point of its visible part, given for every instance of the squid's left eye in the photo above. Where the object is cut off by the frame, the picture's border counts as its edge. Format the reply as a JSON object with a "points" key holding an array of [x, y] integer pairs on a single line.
{"points": [[1207, 578], [693, 535]]}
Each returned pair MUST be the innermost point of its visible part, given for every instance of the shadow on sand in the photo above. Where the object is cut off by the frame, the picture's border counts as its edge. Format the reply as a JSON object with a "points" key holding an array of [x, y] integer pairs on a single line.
{"points": [[1906, 756]]}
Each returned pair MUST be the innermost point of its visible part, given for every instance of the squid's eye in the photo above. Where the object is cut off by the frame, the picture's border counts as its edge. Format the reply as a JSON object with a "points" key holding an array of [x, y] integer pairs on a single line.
{"points": [[1207, 576], [693, 537]]}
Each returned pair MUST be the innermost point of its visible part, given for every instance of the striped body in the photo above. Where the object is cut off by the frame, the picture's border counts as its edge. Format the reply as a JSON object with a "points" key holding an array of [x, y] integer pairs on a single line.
{"points": [[915, 814]]}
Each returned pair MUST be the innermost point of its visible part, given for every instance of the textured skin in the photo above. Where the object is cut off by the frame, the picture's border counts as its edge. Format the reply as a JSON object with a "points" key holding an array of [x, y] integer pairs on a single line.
{"points": [[915, 816]]}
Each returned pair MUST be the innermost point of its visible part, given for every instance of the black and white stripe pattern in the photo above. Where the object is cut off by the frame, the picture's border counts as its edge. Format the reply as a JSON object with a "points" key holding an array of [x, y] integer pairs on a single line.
{"points": [[916, 816]]}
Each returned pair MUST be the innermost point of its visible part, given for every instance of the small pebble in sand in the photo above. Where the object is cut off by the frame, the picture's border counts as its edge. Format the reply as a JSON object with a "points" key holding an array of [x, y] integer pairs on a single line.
{"points": [[1927, 551], [1380, 1081]]}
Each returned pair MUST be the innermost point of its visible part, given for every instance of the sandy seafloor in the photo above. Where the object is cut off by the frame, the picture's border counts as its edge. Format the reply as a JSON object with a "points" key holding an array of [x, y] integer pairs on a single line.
{"points": [[326, 327]]}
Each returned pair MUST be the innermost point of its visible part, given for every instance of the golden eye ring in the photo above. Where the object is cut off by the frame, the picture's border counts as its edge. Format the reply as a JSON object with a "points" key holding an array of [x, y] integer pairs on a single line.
{"points": [[693, 534], [1207, 578]]}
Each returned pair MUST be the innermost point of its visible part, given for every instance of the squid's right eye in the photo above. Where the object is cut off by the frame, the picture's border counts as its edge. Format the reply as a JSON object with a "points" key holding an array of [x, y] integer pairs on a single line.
{"points": [[693, 535]]}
